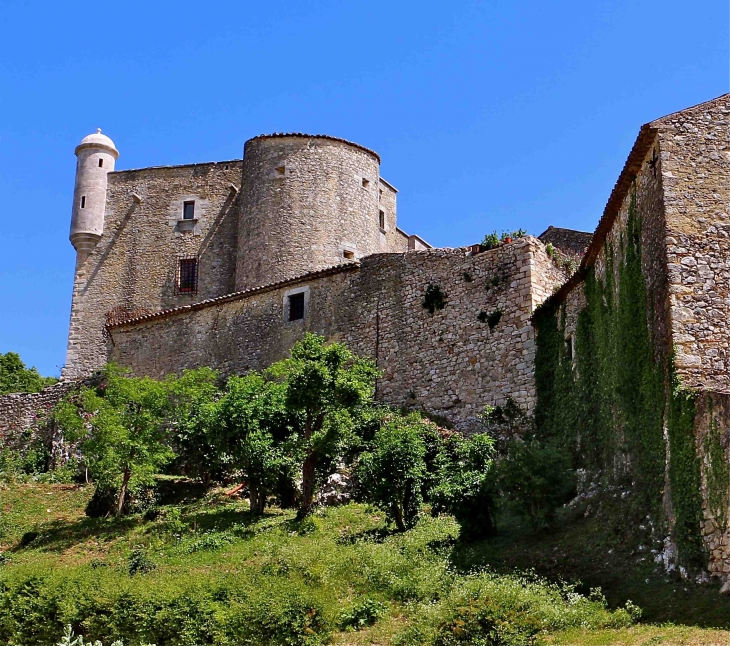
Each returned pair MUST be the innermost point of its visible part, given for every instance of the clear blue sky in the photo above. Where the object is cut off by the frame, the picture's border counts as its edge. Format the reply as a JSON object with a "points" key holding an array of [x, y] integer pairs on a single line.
{"points": [[488, 115]]}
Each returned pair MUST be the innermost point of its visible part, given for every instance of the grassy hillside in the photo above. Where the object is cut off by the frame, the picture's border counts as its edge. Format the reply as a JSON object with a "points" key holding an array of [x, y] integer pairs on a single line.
{"points": [[203, 570]]}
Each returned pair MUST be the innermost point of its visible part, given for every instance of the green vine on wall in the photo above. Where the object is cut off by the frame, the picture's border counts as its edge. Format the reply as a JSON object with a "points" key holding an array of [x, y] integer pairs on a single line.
{"points": [[607, 395], [717, 473]]}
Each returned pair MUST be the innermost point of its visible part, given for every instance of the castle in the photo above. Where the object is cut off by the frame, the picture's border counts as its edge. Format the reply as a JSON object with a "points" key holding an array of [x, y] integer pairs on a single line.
{"points": [[227, 264]]}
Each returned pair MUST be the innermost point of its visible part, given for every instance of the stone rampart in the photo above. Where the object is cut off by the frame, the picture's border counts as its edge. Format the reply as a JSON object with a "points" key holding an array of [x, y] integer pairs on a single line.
{"points": [[479, 349]]}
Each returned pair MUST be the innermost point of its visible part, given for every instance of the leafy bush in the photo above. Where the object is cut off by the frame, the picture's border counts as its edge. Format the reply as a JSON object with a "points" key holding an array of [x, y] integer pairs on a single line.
{"points": [[465, 484], [139, 562], [433, 298], [209, 542], [537, 478], [16, 378], [363, 614], [393, 473]]}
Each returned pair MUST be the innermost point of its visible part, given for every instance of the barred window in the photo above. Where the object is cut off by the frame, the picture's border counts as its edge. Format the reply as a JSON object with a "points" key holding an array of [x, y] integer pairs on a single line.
{"points": [[187, 276]]}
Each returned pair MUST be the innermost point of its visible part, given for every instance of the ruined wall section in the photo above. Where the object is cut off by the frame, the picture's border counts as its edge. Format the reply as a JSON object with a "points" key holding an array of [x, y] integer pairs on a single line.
{"points": [[308, 202], [23, 412], [134, 266], [695, 167], [450, 362]]}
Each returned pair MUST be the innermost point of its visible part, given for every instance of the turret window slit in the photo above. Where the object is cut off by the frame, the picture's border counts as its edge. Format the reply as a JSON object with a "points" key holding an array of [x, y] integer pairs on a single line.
{"points": [[83, 201]]}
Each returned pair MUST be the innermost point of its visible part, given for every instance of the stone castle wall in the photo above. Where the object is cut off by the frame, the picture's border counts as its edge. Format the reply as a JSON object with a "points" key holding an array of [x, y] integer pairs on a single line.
{"points": [[134, 265], [21, 412], [450, 362], [305, 202], [695, 168]]}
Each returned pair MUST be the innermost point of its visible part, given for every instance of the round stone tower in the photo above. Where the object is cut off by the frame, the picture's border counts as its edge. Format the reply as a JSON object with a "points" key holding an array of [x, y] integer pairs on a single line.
{"points": [[307, 202], [96, 156]]}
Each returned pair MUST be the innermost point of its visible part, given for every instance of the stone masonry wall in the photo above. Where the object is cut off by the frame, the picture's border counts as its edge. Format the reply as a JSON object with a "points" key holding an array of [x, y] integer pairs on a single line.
{"points": [[450, 362], [695, 168], [20, 412], [134, 265], [305, 202]]}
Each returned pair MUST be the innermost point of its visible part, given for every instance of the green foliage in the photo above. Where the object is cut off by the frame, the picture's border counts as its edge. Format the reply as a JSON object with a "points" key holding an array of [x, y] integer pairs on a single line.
{"points": [[433, 298], [490, 241], [537, 479], [16, 378], [549, 249], [363, 614], [329, 387], [192, 398], [467, 277], [717, 471], [139, 562], [254, 427], [121, 428], [271, 585], [465, 484], [608, 399], [394, 471]]}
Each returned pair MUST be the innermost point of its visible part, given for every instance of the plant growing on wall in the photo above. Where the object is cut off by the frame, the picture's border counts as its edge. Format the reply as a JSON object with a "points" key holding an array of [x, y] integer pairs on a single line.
{"points": [[433, 299], [490, 241], [717, 471], [610, 399]]}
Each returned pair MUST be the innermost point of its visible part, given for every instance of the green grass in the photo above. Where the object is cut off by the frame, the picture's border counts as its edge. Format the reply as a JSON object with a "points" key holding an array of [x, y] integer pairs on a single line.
{"points": [[213, 573]]}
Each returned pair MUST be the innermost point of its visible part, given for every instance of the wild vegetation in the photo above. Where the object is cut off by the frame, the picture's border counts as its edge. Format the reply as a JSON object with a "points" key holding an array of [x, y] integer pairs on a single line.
{"points": [[15, 377], [188, 515]]}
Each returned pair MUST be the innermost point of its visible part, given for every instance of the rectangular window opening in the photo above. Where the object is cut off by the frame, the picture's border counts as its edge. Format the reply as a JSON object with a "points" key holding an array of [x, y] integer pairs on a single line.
{"points": [[280, 171], [189, 210], [101, 163], [365, 182], [83, 201], [381, 218], [187, 276], [350, 255], [296, 307]]}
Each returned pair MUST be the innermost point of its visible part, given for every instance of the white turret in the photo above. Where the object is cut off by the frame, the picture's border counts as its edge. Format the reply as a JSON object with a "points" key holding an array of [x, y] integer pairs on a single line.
{"points": [[96, 156]]}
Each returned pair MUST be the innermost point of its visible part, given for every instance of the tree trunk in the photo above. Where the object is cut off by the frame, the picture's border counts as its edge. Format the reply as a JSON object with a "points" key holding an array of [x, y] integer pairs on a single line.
{"points": [[308, 477], [253, 498], [398, 513], [261, 503], [123, 491]]}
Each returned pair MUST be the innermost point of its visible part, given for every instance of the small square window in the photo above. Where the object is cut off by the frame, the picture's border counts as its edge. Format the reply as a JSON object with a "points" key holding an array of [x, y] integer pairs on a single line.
{"points": [[296, 306], [83, 201], [280, 171], [381, 220], [101, 163], [189, 210], [365, 182], [350, 255], [187, 276]]}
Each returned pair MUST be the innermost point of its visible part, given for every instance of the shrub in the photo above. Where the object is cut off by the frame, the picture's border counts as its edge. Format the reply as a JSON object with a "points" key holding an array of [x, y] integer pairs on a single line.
{"points": [[433, 298], [393, 473], [363, 614], [139, 562], [537, 478], [465, 484]]}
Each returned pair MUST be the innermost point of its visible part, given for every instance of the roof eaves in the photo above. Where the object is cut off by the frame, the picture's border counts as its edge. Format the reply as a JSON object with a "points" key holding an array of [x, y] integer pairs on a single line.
{"points": [[320, 273]]}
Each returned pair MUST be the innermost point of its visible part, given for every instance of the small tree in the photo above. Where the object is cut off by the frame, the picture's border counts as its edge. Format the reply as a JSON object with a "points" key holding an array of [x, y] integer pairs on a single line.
{"points": [[326, 385], [121, 426], [465, 483], [257, 431], [192, 421], [16, 378], [393, 473], [537, 478]]}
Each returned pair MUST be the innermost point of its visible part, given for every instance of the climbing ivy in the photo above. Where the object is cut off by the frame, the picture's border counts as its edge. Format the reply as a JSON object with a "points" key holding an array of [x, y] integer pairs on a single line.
{"points": [[607, 394], [717, 472]]}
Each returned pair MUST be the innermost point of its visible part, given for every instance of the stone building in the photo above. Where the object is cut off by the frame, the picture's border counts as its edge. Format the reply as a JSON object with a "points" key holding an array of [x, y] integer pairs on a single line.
{"points": [[227, 264]]}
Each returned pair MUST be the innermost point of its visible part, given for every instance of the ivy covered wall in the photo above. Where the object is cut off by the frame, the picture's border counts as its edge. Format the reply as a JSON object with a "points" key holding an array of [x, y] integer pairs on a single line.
{"points": [[606, 385]]}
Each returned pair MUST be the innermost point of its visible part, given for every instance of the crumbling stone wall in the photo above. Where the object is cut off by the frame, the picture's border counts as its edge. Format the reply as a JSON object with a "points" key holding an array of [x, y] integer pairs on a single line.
{"points": [[134, 265], [21, 412], [450, 362]]}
